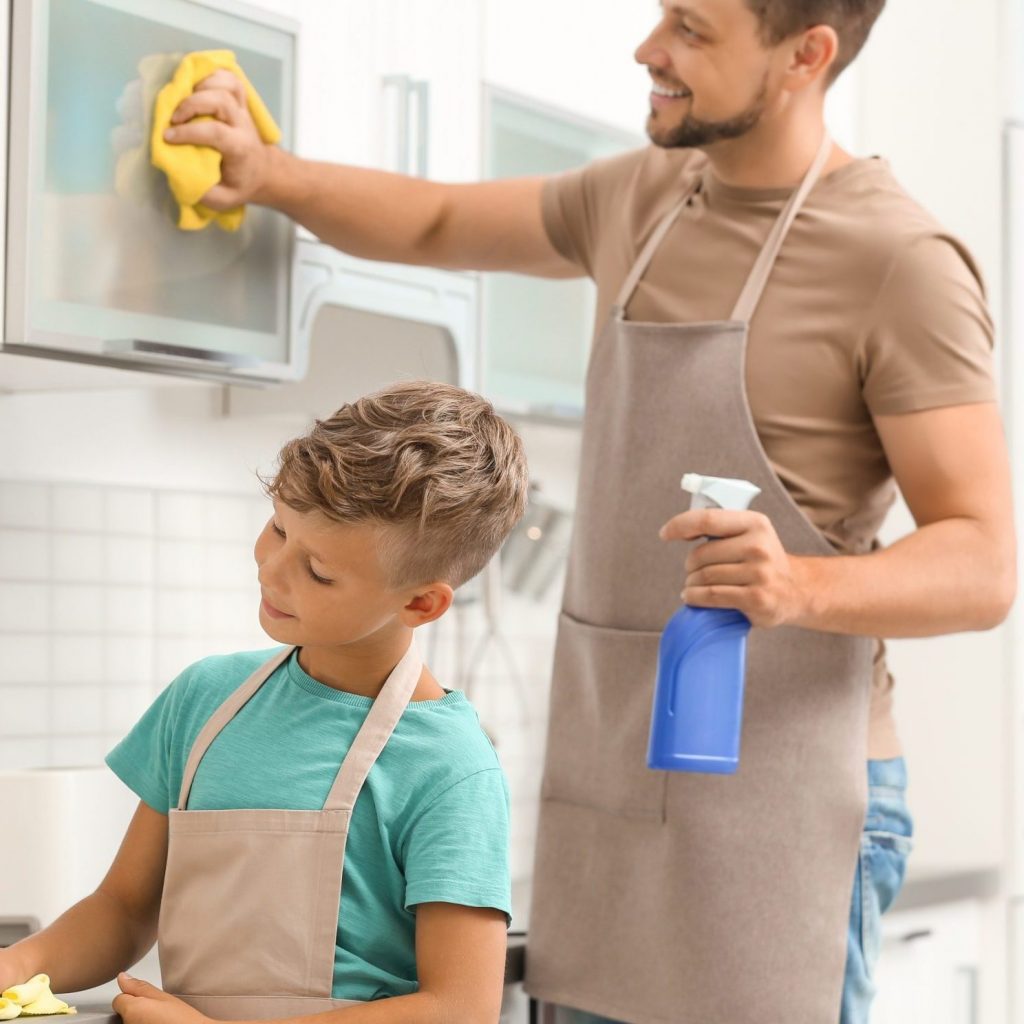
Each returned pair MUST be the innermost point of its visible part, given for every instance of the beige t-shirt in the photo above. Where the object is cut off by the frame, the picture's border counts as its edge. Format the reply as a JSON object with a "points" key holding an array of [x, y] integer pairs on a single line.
{"points": [[871, 309]]}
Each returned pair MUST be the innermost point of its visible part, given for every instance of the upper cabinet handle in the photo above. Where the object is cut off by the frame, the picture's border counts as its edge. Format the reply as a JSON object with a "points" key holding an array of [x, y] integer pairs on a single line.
{"points": [[412, 133]]}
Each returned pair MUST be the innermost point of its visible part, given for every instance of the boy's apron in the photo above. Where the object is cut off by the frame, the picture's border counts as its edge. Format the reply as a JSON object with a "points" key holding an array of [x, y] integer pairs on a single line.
{"points": [[249, 918], [674, 897]]}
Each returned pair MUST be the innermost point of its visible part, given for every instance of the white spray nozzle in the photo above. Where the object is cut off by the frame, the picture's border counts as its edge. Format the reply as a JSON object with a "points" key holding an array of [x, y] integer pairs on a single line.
{"points": [[719, 492]]}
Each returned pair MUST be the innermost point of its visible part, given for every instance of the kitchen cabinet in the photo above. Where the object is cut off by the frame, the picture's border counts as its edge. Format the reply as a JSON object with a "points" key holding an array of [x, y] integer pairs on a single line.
{"points": [[368, 324], [98, 270], [536, 332], [379, 78], [929, 970]]}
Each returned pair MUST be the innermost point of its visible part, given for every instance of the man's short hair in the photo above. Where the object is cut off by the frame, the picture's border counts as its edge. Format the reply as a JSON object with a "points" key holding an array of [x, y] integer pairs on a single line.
{"points": [[851, 19]]}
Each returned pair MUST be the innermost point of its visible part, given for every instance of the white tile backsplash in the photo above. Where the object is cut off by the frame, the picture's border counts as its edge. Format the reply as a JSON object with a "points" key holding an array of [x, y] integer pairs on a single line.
{"points": [[24, 658], [77, 658], [77, 508], [24, 504], [128, 610], [129, 559], [180, 515], [128, 660], [24, 753], [24, 554], [77, 557], [78, 607], [227, 519], [131, 512], [24, 711], [77, 710], [181, 563], [25, 606], [106, 593]]}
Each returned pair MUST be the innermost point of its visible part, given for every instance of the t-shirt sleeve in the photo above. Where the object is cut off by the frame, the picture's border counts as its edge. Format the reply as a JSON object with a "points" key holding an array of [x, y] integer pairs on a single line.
{"points": [[577, 205], [144, 759], [931, 334], [457, 850]]}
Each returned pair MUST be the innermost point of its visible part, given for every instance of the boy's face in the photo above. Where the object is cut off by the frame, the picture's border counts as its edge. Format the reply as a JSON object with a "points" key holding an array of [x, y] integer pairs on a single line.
{"points": [[323, 584]]}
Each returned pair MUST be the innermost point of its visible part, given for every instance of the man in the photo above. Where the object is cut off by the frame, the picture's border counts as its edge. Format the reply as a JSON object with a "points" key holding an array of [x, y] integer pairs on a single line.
{"points": [[771, 308]]}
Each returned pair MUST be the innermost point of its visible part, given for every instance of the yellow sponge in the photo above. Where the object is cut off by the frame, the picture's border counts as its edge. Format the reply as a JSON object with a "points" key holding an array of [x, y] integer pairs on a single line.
{"points": [[193, 170], [9, 1009]]}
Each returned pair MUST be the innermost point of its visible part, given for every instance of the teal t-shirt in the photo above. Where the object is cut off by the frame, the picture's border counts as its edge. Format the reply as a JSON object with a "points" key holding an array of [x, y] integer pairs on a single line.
{"points": [[430, 825]]}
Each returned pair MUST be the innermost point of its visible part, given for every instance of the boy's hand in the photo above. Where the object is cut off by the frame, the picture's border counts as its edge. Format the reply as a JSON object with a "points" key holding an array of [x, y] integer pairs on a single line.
{"points": [[10, 970], [744, 567], [142, 1003]]}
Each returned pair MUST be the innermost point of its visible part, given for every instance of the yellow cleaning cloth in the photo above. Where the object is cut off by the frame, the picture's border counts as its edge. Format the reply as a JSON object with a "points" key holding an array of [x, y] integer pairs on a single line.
{"points": [[193, 170], [30, 991], [32, 999]]}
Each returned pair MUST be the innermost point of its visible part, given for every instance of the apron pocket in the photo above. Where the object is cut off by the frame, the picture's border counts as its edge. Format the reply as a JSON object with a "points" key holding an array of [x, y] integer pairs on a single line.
{"points": [[601, 697]]}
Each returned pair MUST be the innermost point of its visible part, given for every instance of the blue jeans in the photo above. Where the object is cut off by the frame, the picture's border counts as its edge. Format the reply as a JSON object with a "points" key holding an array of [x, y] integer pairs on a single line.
{"points": [[884, 847]]}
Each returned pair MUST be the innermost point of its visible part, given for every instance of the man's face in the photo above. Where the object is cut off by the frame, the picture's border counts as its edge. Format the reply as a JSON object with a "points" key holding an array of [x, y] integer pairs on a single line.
{"points": [[712, 76]]}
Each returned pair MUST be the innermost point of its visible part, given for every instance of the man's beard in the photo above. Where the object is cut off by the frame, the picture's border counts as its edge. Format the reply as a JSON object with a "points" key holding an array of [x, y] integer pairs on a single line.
{"points": [[694, 132]]}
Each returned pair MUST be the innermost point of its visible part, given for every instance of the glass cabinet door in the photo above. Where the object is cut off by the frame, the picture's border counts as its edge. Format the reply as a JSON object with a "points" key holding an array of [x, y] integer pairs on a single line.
{"points": [[536, 333]]}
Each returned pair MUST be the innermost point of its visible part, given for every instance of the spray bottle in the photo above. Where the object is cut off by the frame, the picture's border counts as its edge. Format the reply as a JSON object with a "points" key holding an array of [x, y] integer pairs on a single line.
{"points": [[698, 698]]}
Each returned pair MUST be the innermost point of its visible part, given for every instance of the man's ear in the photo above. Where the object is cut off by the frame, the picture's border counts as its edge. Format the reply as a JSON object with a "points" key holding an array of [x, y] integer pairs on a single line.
{"points": [[427, 604], [814, 53]]}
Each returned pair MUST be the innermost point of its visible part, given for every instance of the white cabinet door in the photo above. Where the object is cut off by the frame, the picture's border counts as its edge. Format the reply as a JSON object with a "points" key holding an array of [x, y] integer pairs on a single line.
{"points": [[928, 972], [336, 79], [573, 54], [349, 48], [436, 46]]}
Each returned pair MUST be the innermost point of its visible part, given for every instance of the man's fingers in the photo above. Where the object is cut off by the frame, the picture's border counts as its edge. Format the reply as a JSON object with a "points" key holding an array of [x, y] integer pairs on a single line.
{"points": [[223, 79], [731, 575], [717, 552], [201, 133], [218, 103], [221, 197], [709, 522]]}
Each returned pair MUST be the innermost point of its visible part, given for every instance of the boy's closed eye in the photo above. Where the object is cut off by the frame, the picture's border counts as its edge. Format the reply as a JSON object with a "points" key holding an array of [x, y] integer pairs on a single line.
{"points": [[309, 568]]}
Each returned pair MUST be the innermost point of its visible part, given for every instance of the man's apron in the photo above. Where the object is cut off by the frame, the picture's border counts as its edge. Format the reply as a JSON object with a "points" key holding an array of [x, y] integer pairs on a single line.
{"points": [[249, 918], [674, 897]]}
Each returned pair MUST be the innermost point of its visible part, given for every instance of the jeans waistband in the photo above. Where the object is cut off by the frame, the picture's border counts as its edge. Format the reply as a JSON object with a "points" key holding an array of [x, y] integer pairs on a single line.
{"points": [[891, 773]]}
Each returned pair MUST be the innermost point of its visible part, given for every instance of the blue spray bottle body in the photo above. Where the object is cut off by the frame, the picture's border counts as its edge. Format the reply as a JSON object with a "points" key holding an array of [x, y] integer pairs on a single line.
{"points": [[698, 697]]}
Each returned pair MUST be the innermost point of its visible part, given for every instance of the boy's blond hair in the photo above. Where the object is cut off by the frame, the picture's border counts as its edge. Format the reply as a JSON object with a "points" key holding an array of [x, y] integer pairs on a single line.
{"points": [[433, 464]]}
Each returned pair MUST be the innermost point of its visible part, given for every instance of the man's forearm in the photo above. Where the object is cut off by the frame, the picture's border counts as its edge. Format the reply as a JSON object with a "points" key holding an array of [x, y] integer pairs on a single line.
{"points": [[946, 577], [368, 213]]}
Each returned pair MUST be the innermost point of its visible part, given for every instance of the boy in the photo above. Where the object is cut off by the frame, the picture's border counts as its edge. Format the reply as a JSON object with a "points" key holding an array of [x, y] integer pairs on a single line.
{"points": [[249, 765]]}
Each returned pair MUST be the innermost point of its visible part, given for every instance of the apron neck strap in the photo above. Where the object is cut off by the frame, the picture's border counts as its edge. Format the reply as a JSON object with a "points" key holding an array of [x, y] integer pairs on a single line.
{"points": [[373, 734], [223, 715], [646, 254], [755, 285], [754, 288], [375, 731]]}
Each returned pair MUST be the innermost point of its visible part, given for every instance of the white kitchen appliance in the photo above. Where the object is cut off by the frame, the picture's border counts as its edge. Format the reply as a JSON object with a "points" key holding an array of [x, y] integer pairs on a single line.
{"points": [[63, 828]]}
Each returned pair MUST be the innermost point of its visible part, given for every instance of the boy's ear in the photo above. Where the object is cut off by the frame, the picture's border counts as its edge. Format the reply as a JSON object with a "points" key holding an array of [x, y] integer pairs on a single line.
{"points": [[429, 603]]}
